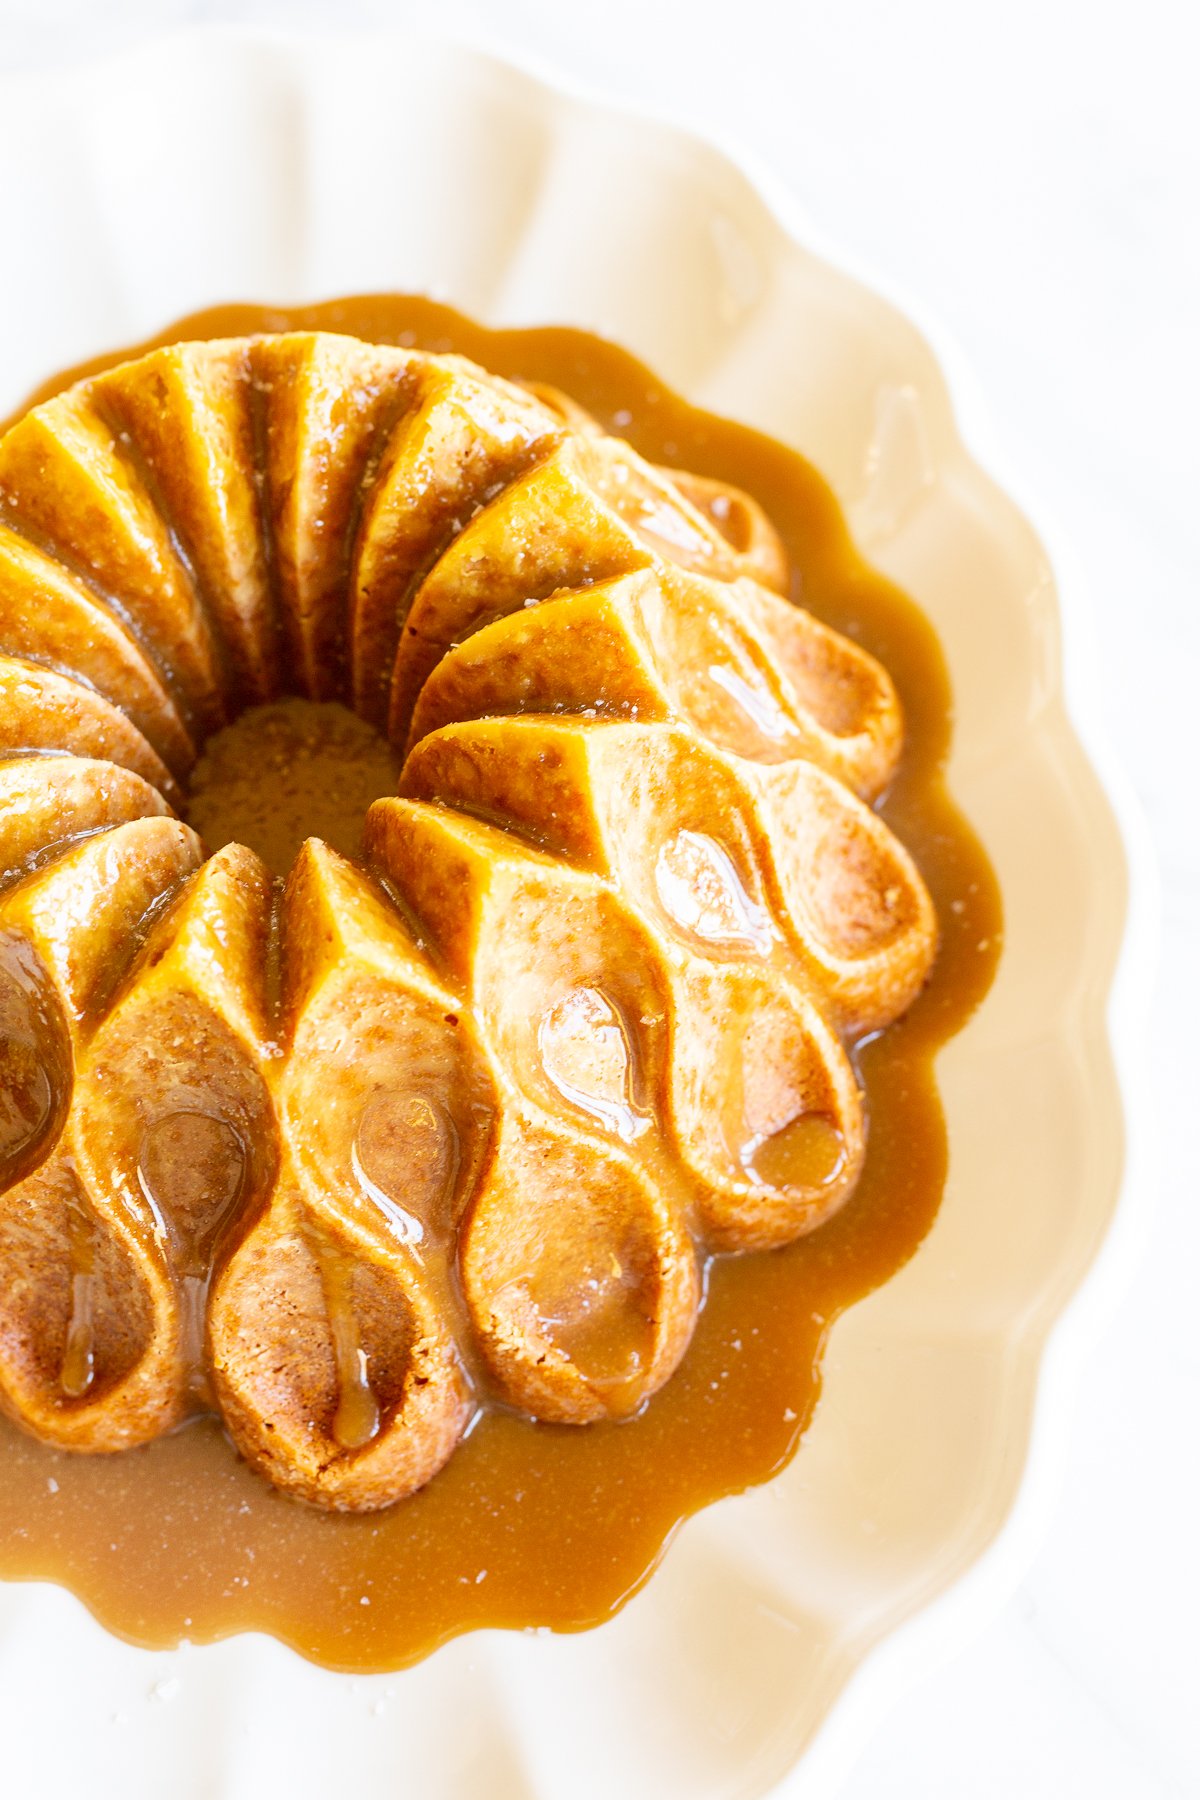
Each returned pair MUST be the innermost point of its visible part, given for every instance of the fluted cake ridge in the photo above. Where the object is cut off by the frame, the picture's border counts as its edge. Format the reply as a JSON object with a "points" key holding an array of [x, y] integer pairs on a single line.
{"points": [[343, 1159]]}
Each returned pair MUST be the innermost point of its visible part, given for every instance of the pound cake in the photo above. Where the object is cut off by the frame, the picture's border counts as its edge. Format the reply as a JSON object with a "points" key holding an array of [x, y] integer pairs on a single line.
{"points": [[457, 1124]]}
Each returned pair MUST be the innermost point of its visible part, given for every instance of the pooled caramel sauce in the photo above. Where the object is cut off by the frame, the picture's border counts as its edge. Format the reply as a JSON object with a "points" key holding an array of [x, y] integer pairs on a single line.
{"points": [[588, 1053], [191, 1171], [702, 891], [406, 1156], [595, 1319], [533, 1524], [809, 1151]]}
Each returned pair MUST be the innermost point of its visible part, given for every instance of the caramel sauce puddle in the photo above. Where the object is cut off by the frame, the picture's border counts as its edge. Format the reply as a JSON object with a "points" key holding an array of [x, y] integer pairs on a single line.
{"points": [[544, 1525]]}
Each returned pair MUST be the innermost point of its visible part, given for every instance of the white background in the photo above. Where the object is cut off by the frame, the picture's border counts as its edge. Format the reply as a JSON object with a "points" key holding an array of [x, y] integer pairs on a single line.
{"points": [[1031, 172]]}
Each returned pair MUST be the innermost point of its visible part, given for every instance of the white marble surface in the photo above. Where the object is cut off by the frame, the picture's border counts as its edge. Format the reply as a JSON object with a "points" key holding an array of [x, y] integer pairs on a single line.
{"points": [[1032, 173]]}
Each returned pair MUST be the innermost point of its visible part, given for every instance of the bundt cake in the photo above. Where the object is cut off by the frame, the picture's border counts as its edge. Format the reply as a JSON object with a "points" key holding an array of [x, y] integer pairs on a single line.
{"points": [[347, 1157]]}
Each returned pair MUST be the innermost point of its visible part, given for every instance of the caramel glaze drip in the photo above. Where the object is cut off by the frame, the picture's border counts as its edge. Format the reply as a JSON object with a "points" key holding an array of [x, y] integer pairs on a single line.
{"points": [[356, 1421], [527, 1524], [79, 1361]]}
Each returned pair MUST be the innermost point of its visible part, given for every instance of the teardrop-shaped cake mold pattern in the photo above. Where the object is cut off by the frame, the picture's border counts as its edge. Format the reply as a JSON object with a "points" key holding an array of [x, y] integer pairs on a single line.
{"points": [[341, 1160]]}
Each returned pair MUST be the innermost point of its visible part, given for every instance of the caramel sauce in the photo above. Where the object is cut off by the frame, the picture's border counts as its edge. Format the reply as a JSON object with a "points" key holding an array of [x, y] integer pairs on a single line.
{"points": [[536, 1524], [809, 1151], [35, 1059], [79, 1361], [356, 1421], [406, 1156]]}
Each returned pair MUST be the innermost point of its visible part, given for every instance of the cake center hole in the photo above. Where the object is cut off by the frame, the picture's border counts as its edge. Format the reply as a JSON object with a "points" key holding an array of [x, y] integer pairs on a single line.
{"points": [[287, 771]]}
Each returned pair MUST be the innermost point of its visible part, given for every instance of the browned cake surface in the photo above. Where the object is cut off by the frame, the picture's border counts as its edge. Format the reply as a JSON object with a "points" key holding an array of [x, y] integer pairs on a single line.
{"points": [[461, 1124]]}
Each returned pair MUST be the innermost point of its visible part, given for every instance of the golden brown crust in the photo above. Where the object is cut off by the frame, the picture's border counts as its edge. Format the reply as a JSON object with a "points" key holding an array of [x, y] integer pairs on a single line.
{"points": [[41, 710], [343, 1162]]}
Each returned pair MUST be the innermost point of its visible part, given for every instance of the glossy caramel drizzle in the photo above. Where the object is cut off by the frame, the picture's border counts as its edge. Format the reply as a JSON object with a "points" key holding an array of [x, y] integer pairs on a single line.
{"points": [[357, 1418], [79, 1362], [533, 1524]]}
